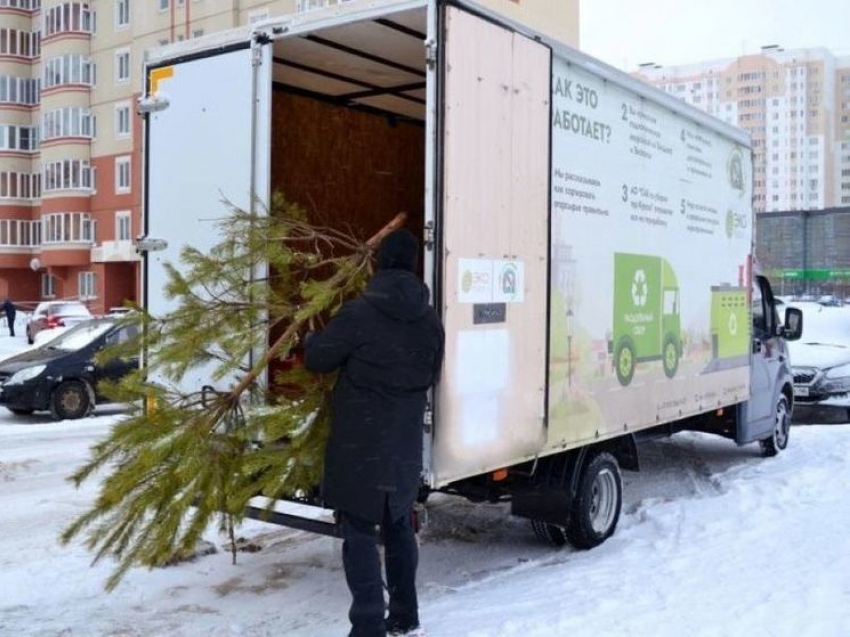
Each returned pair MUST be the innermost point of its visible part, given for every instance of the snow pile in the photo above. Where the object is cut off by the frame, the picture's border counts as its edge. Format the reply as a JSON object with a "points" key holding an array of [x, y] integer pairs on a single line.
{"points": [[714, 540]]}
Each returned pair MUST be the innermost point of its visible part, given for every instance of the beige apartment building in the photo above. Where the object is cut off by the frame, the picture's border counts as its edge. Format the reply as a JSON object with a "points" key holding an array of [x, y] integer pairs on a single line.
{"points": [[796, 106], [71, 140]]}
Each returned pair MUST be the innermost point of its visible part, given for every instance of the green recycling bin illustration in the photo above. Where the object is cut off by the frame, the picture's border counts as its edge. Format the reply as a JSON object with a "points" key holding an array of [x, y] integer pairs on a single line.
{"points": [[647, 323], [730, 328]]}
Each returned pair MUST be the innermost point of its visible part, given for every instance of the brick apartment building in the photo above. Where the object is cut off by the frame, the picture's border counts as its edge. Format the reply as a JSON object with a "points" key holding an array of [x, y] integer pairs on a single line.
{"points": [[70, 138]]}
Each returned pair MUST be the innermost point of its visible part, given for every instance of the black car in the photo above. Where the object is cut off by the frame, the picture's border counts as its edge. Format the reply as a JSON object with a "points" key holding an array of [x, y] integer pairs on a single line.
{"points": [[61, 376]]}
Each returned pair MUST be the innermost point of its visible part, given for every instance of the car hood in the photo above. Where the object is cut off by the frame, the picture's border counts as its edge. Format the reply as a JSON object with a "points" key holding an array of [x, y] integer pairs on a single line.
{"points": [[38, 356], [819, 355]]}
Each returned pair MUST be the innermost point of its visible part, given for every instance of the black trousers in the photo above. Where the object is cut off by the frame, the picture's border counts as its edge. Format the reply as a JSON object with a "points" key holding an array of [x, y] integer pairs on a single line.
{"points": [[363, 573], [11, 322]]}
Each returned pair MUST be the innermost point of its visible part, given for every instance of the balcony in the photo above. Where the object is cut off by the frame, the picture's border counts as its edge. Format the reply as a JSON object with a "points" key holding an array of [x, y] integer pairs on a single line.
{"points": [[114, 251]]}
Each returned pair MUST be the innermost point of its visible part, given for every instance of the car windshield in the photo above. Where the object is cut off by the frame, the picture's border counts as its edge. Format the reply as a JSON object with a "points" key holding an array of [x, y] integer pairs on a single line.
{"points": [[69, 309], [79, 336]]}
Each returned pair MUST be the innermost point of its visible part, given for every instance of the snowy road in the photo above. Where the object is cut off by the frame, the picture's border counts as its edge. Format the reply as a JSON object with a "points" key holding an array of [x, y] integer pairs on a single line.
{"points": [[714, 541]]}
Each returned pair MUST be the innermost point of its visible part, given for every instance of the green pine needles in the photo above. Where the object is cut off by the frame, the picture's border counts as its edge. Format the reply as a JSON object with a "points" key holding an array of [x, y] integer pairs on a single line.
{"points": [[185, 458]]}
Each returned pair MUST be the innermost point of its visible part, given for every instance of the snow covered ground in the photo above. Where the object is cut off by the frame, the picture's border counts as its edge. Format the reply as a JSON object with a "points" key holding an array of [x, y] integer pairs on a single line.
{"points": [[714, 540]]}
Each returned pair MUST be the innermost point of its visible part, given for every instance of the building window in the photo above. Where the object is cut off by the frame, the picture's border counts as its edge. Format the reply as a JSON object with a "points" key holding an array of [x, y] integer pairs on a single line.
{"points": [[71, 17], [68, 227], [123, 229], [69, 174], [67, 122], [48, 286], [68, 69], [122, 65], [87, 284], [19, 90], [19, 43], [163, 5], [15, 185], [122, 13], [122, 174], [18, 138], [197, 33], [122, 120]]}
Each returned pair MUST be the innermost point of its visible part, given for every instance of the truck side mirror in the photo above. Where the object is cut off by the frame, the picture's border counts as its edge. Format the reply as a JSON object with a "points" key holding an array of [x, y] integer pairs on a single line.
{"points": [[793, 328]]}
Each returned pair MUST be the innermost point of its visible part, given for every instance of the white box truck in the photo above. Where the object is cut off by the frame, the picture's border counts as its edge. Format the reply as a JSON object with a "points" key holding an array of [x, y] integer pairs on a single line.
{"points": [[588, 239]]}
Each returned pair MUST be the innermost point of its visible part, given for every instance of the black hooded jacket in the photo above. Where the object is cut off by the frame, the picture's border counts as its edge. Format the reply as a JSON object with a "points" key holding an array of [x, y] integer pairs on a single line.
{"points": [[388, 347]]}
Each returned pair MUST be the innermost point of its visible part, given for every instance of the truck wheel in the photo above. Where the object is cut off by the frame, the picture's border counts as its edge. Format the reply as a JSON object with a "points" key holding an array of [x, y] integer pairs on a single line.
{"points": [[624, 360], [778, 440], [598, 502], [549, 533], [671, 356], [70, 401]]}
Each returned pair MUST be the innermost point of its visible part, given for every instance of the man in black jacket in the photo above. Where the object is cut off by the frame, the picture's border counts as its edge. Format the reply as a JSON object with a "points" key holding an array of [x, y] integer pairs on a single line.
{"points": [[10, 310], [388, 347]]}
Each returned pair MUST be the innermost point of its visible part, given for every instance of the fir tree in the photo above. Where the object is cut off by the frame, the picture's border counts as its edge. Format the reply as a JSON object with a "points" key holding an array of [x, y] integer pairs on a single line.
{"points": [[184, 458]]}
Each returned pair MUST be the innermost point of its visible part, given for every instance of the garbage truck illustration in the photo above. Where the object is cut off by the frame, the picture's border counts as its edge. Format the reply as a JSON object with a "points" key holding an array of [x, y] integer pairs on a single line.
{"points": [[647, 324]]}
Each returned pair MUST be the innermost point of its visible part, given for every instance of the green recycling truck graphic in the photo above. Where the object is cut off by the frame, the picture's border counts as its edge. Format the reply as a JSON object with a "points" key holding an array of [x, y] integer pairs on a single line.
{"points": [[647, 324]]}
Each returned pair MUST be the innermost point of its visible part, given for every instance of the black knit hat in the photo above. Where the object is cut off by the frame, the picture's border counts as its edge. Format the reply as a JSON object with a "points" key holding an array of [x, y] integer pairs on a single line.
{"points": [[399, 251]]}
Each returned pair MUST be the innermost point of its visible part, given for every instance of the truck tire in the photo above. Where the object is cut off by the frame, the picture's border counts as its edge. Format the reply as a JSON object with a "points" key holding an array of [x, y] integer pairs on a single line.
{"points": [[670, 356], [597, 504], [624, 360], [551, 534], [70, 400], [20, 412], [778, 439]]}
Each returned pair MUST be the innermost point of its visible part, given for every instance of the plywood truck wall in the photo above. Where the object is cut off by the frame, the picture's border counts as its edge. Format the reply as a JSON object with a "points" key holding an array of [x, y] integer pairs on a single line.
{"points": [[347, 167]]}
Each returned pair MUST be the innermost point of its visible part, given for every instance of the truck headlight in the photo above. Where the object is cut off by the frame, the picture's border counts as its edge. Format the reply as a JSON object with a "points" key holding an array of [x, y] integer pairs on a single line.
{"points": [[28, 373]]}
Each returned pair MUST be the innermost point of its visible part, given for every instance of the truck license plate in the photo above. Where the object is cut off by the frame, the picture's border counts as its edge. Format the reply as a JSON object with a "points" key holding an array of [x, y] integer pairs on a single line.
{"points": [[801, 390]]}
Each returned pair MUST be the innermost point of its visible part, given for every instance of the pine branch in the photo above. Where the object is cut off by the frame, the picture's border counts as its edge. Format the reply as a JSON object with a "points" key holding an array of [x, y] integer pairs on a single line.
{"points": [[183, 458]]}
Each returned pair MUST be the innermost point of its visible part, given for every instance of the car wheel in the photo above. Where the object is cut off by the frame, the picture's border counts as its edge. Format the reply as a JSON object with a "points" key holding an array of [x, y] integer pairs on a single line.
{"points": [[70, 400], [778, 439], [20, 412]]}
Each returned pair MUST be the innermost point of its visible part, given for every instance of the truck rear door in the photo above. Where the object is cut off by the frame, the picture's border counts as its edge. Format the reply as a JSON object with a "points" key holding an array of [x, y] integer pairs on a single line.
{"points": [[207, 139], [493, 237]]}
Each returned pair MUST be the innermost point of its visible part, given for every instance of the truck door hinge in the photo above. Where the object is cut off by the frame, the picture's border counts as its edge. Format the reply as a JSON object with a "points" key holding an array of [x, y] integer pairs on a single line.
{"points": [[429, 235], [430, 53]]}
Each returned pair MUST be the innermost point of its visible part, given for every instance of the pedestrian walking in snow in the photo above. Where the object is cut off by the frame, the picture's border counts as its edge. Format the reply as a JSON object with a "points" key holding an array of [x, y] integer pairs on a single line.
{"points": [[10, 310], [388, 347]]}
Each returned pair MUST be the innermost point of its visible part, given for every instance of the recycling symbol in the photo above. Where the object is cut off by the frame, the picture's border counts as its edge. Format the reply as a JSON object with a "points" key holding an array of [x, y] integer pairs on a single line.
{"points": [[639, 289], [733, 324]]}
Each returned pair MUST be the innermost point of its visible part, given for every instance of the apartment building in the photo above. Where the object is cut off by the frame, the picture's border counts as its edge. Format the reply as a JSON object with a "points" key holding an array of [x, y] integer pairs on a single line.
{"points": [[71, 140], [796, 106]]}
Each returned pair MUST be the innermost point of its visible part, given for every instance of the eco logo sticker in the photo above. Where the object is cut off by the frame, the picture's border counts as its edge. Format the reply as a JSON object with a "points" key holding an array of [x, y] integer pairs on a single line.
{"points": [[466, 281], [733, 324], [735, 170], [639, 289], [508, 280], [730, 223]]}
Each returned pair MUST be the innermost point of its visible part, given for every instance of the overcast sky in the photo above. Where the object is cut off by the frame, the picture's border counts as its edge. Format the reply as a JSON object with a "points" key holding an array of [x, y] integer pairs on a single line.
{"points": [[625, 33]]}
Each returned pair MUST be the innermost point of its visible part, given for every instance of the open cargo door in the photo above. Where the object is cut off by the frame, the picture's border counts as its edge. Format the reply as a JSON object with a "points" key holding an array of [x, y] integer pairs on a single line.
{"points": [[207, 140], [491, 403]]}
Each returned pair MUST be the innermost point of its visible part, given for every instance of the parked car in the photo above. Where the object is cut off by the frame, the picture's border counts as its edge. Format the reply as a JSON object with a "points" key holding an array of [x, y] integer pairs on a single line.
{"points": [[50, 314], [820, 360], [62, 376]]}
